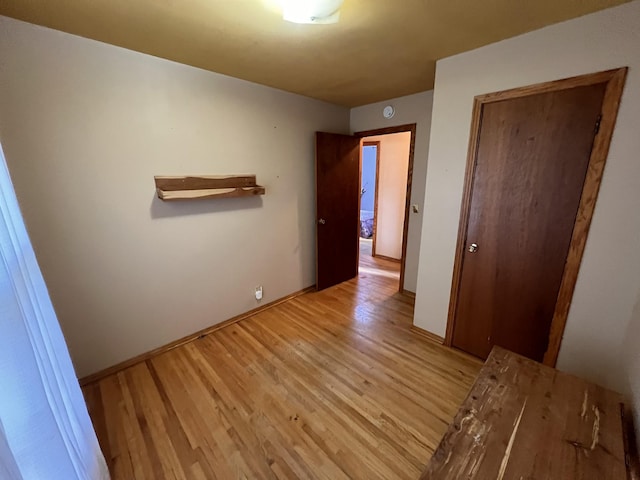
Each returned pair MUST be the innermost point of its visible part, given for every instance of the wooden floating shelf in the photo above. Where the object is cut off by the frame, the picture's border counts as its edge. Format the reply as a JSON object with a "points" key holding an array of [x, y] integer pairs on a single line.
{"points": [[207, 186]]}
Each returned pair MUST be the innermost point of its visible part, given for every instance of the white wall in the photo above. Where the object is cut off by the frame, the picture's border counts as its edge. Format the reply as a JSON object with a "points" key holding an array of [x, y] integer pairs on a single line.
{"points": [[85, 126], [609, 278], [410, 109], [392, 192]]}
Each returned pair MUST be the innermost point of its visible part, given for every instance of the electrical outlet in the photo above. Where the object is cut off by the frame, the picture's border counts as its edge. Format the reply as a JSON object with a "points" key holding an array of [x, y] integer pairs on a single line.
{"points": [[259, 292]]}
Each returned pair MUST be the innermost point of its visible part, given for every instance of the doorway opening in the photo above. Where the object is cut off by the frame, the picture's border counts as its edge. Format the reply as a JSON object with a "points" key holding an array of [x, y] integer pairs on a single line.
{"points": [[338, 199], [385, 194]]}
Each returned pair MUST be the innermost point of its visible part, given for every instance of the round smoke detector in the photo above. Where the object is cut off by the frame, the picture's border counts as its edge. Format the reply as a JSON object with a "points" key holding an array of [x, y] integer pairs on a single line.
{"points": [[388, 112]]}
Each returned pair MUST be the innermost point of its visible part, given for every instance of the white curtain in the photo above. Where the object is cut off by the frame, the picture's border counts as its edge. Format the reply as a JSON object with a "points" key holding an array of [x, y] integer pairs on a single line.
{"points": [[45, 430]]}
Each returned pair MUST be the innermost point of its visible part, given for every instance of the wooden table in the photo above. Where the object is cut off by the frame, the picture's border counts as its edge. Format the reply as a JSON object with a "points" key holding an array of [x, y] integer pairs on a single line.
{"points": [[523, 420]]}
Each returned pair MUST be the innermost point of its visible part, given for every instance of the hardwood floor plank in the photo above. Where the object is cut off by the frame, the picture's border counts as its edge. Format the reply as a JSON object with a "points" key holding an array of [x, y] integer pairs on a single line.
{"points": [[149, 412], [330, 385], [141, 459], [288, 419], [324, 386], [186, 454], [354, 387], [119, 457], [202, 412], [93, 397]]}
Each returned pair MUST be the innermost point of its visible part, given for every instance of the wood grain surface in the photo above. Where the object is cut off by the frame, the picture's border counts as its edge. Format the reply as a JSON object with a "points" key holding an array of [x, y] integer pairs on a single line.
{"points": [[376, 265], [610, 105], [531, 163], [203, 182], [330, 385], [176, 195], [337, 208], [614, 81], [524, 420]]}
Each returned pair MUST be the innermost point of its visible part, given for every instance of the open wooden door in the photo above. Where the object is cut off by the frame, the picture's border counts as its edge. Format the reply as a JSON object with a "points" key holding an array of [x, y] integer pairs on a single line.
{"points": [[337, 208]]}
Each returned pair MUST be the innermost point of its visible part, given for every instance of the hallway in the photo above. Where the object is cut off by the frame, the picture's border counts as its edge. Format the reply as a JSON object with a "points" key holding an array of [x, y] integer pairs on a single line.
{"points": [[381, 267]]}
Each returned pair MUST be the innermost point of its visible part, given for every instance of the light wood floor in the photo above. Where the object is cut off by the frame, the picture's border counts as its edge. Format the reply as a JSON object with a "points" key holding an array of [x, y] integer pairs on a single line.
{"points": [[329, 385], [377, 265]]}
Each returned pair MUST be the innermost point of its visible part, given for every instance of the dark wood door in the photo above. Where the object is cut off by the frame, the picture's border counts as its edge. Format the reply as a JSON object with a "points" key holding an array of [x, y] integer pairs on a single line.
{"points": [[531, 163], [337, 205]]}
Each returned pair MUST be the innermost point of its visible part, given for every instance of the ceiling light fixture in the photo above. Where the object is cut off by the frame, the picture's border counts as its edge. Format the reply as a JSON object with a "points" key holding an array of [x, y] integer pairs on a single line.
{"points": [[311, 11]]}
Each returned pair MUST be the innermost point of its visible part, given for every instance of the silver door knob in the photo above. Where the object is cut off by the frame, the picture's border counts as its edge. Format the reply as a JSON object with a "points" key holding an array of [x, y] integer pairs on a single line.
{"points": [[322, 221], [473, 248]]}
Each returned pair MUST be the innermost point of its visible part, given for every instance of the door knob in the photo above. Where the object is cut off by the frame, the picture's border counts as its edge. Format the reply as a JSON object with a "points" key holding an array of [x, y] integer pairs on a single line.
{"points": [[473, 248], [322, 221]]}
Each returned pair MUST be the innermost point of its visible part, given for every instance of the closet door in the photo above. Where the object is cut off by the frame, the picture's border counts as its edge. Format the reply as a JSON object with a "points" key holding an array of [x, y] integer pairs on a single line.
{"points": [[531, 161]]}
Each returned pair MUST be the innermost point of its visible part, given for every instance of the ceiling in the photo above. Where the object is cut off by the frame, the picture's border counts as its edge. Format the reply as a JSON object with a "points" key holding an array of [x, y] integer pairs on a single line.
{"points": [[380, 49]]}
